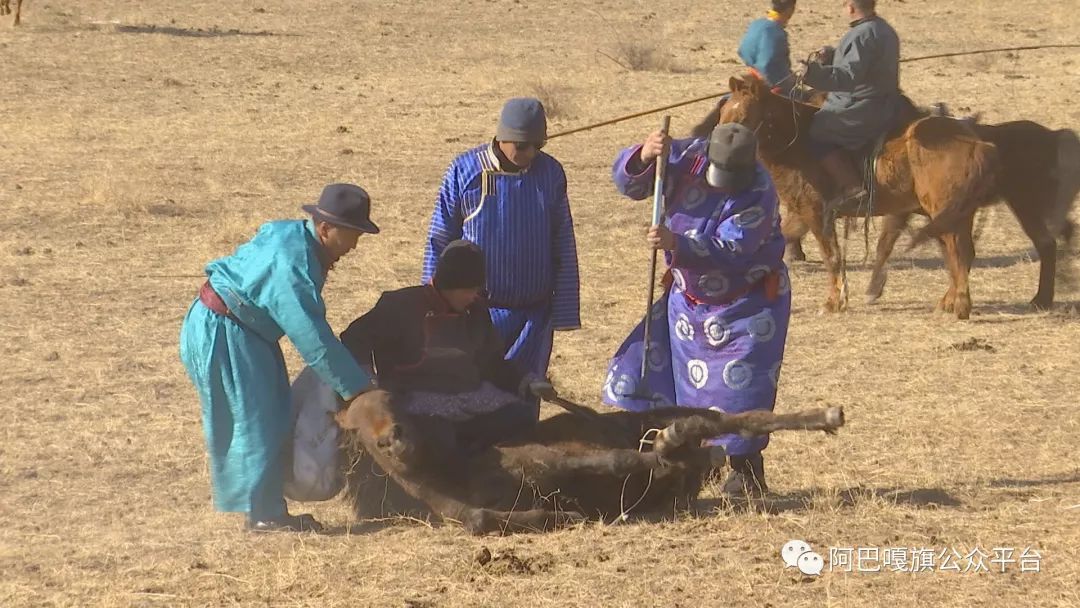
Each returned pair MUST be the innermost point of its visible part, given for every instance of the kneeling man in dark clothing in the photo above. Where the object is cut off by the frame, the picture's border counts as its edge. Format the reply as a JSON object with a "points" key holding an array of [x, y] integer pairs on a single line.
{"points": [[434, 347]]}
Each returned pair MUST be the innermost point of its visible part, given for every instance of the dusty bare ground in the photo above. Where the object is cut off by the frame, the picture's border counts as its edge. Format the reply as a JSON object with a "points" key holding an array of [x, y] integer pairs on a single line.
{"points": [[140, 139]]}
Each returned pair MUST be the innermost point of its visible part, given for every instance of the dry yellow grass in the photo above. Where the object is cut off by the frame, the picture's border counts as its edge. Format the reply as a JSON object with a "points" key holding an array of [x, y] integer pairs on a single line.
{"points": [[128, 155]]}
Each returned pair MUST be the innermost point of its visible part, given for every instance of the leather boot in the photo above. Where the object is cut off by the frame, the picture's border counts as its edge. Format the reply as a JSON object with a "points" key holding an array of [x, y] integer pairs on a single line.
{"points": [[848, 191], [747, 478], [285, 523]]}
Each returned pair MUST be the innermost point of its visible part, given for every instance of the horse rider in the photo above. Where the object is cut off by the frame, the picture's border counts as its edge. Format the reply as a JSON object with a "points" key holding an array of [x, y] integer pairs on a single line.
{"points": [[862, 78], [764, 48]]}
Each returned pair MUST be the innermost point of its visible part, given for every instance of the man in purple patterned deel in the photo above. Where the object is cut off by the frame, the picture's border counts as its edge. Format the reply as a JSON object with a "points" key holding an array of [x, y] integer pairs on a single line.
{"points": [[718, 332]]}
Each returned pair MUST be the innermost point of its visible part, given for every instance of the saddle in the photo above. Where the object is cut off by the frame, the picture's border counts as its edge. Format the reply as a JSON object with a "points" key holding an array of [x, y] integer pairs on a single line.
{"points": [[867, 157]]}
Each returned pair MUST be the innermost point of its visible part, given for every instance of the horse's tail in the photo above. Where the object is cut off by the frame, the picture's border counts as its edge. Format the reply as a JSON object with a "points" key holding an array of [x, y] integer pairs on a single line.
{"points": [[1068, 177], [971, 174]]}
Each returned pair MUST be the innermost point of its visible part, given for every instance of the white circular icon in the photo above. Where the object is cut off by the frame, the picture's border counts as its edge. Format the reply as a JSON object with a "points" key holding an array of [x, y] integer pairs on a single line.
{"points": [[792, 550], [811, 564], [717, 332], [738, 374], [698, 371]]}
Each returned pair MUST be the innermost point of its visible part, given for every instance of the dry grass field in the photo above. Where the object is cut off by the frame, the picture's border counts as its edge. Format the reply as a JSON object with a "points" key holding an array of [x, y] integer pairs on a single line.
{"points": [[140, 139]]}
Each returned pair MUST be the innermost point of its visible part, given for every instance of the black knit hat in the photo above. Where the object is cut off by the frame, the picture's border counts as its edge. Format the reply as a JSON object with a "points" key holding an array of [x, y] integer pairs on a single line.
{"points": [[461, 266]]}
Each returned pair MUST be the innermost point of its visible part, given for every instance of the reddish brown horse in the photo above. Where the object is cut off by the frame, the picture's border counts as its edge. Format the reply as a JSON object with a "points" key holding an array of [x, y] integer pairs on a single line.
{"points": [[1039, 180], [5, 9], [933, 165]]}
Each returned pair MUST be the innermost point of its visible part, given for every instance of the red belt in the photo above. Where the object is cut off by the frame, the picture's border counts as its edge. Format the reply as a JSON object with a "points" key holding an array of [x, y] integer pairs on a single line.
{"points": [[213, 301], [771, 282]]}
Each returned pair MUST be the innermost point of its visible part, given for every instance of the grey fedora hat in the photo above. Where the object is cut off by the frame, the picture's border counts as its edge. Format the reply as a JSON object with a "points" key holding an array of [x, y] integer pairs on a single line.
{"points": [[345, 205]]}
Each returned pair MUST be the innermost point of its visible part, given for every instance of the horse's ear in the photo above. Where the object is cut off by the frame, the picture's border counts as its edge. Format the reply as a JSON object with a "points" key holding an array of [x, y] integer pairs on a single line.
{"points": [[757, 87], [736, 84]]}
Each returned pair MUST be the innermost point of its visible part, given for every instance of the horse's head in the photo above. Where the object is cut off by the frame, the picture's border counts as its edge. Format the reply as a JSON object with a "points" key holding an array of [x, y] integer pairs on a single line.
{"points": [[747, 104], [774, 119], [373, 416]]}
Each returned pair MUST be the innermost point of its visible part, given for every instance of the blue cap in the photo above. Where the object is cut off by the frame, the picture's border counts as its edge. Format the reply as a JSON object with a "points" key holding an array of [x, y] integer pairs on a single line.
{"points": [[523, 119]]}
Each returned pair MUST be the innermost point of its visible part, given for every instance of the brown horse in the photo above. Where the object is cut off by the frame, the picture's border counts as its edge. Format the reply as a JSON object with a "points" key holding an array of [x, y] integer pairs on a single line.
{"points": [[567, 469], [5, 9], [930, 164], [1039, 180]]}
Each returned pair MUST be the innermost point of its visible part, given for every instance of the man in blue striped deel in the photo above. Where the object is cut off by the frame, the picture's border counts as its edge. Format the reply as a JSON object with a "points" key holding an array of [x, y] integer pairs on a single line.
{"points": [[509, 197]]}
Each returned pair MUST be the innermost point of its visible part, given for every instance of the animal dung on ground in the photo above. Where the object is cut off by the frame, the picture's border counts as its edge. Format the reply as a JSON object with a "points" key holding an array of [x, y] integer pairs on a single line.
{"points": [[508, 562], [972, 344], [482, 556]]}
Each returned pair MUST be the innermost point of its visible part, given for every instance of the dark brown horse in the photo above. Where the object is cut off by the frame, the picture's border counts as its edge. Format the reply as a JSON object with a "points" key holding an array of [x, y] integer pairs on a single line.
{"points": [[930, 164], [568, 469], [1039, 181]]}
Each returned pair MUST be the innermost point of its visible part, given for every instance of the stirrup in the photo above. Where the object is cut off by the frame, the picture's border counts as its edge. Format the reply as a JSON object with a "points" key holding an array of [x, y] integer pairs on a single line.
{"points": [[849, 204]]}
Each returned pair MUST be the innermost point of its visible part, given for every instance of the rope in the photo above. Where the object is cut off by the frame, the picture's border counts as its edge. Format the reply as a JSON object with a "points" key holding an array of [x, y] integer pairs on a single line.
{"points": [[637, 114], [624, 513], [721, 94]]}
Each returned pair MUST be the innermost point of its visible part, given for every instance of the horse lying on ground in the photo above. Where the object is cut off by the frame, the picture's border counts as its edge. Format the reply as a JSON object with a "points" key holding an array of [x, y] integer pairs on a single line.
{"points": [[566, 470], [1039, 180], [931, 164]]}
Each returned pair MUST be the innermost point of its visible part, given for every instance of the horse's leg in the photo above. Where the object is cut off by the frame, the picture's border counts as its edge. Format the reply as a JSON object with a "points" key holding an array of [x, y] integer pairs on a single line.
{"points": [[959, 253], [486, 521], [794, 229], [891, 229], [546, 461], [836, 299], [5, 7], [947, 302], [1068, 231], [691, 429], [1036, 230], [793, 251], [18, 11]]}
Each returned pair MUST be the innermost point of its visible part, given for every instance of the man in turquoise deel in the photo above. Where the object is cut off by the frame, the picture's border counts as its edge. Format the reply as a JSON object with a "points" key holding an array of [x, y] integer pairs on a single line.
{"points": [[269, 288], [764, 47]]}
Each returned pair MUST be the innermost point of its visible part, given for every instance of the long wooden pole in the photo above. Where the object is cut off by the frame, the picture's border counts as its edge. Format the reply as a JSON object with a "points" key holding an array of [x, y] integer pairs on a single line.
{"points": [[657, 216], [722, 93]]}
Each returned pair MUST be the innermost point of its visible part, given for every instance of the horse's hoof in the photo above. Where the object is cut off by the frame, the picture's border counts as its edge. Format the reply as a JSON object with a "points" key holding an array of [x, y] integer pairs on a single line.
{"points": [[1041, 305], [834, 417], [962, 310], [874, 290]]}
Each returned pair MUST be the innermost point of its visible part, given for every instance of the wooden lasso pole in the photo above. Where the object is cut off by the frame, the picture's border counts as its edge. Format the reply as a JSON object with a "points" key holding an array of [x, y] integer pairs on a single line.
{"points": [[722, 93]]}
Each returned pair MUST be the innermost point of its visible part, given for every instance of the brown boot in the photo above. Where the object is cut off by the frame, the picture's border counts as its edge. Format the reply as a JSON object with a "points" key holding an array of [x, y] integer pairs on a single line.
{"points": [[849, 193], [747, 478]]}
